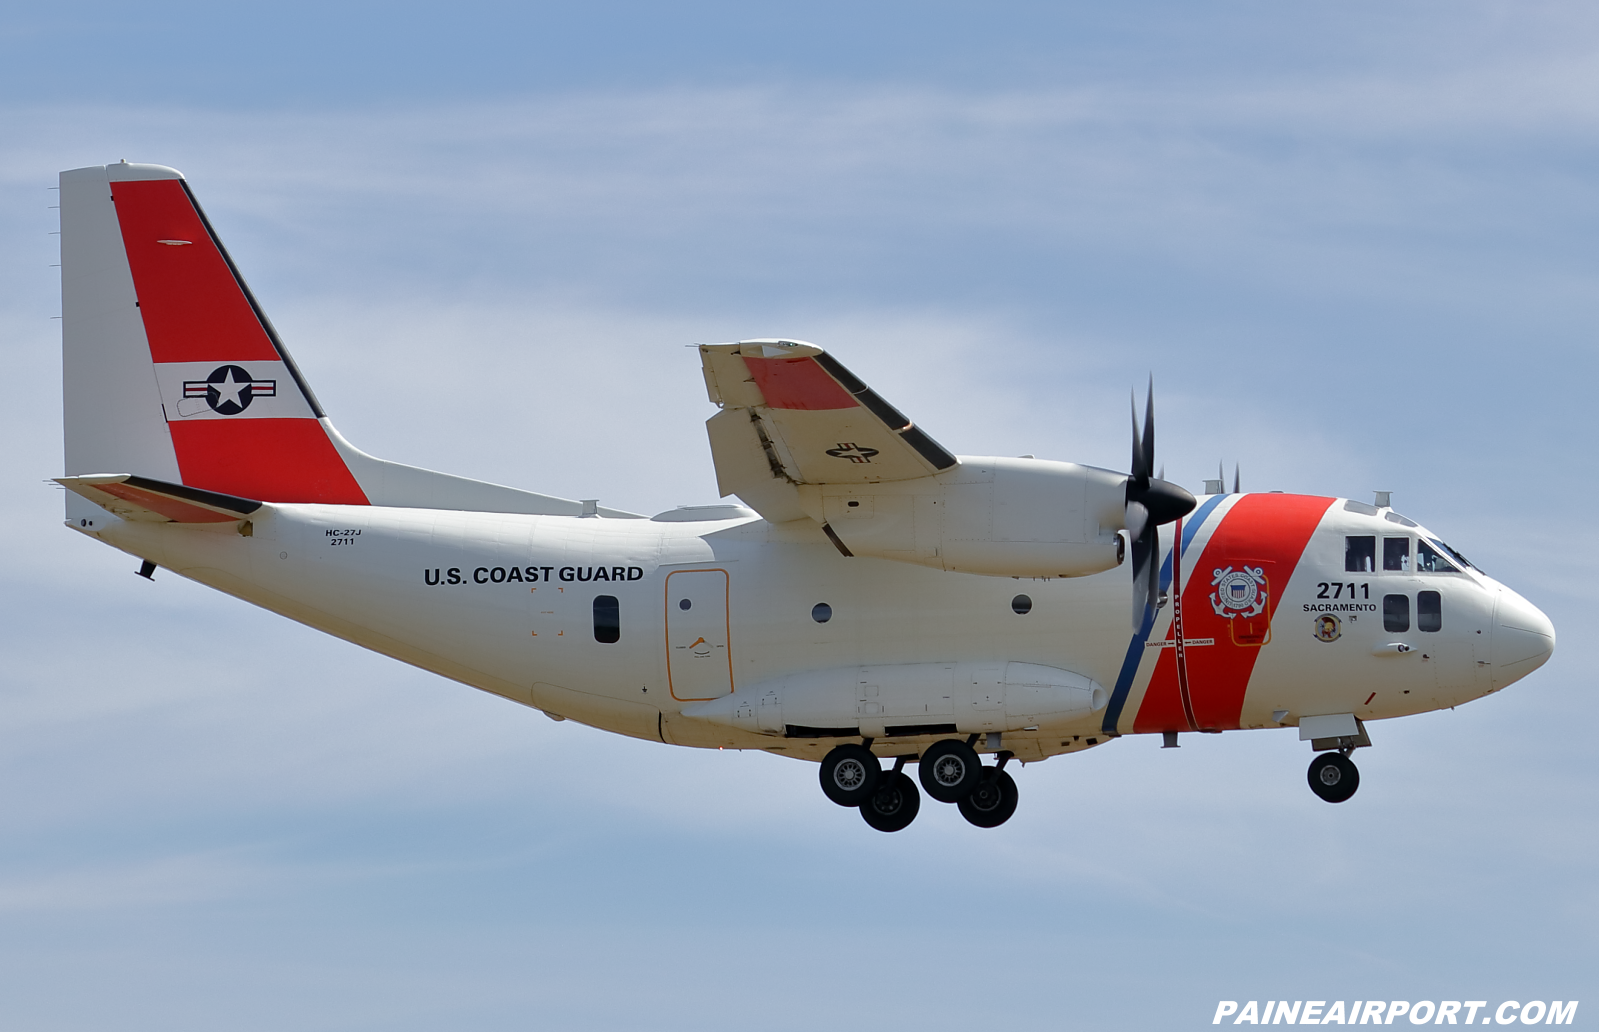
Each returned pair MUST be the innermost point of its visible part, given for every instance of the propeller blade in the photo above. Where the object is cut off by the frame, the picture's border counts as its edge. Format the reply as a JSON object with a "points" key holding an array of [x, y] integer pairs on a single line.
{"points": [[1150, 502], [1140, 469], [1149, 428], [1235, 478], [1152, 578], [1146, 575], [1137, 519]]}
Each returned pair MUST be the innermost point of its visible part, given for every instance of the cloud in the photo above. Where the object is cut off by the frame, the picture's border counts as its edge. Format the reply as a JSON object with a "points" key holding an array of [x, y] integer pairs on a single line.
{"points": [[1346, 279]]}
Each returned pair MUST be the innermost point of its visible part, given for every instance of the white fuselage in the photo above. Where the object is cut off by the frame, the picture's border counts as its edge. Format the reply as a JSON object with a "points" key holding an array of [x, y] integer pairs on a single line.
{"points": [[436, 589]]}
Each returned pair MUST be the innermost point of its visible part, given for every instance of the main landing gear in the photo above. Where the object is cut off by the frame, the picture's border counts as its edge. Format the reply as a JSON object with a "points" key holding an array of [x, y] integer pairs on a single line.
{"points": [[850, 774], [895, 803], [993, 800], [949, 770]]}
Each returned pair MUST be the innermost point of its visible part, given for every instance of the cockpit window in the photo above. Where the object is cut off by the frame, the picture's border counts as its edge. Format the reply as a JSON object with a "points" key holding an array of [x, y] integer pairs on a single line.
{"points": [[1429, 561], [1394, 517], [1396, 554], [1361, 507], [1462, 560], [1360, 554]]}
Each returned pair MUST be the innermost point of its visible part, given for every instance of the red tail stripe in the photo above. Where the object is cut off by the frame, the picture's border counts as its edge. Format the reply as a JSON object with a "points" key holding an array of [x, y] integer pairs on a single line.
{"points": [[272, 460], [193, 308]]}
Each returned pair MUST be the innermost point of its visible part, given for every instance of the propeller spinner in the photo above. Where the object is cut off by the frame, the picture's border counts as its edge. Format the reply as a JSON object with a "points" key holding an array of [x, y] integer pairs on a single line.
{"points": [[1151, 501]]}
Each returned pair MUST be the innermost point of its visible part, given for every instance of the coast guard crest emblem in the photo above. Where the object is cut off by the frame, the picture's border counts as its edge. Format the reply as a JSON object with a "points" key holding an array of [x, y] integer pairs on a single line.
{"points": [[1240, 592]]}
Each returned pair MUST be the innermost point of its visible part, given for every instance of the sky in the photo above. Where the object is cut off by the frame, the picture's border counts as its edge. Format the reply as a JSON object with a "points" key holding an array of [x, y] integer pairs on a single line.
{"points": [[1353, 245]]}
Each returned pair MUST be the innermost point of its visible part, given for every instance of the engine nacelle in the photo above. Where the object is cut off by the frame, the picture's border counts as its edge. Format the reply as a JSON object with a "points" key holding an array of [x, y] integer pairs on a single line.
{"points": [[906, 700], [994, 516]]}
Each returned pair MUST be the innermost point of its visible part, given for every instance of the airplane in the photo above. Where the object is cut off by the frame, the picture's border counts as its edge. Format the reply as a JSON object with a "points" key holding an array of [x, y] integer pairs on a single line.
{"points": [[871, 600]]}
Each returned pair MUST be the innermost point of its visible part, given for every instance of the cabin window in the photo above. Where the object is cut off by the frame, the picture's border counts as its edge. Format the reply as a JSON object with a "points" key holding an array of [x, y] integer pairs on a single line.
{"points": [[1396, 554], [821, 612], [1021, 605], [1429, 611], [1396, 612], [1360, 554], [1429, 561], [607, 619]]}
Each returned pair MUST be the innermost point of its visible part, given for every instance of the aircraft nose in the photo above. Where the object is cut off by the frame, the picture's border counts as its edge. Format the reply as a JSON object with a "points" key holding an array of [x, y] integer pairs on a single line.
{"points": [[1523, 638]]}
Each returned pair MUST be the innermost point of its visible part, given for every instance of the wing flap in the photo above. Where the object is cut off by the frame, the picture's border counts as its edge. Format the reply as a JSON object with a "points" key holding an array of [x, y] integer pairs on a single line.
{"points": [[748, 467], [144, 500]]}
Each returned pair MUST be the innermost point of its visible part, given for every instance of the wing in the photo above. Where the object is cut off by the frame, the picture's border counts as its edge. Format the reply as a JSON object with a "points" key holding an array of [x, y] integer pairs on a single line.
{"points": [[792, 414]]}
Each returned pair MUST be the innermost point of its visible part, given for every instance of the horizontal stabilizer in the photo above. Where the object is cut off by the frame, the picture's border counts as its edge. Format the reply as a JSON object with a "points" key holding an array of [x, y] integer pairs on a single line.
{"points": [[155, 501]]}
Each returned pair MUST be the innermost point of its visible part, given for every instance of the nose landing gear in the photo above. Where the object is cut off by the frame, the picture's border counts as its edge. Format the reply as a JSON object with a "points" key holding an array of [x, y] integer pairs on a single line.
{"points": [[1333, 776]]}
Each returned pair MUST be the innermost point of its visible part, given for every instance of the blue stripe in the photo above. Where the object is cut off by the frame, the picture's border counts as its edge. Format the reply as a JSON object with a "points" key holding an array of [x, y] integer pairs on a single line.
{"points": [[1135, 648]]}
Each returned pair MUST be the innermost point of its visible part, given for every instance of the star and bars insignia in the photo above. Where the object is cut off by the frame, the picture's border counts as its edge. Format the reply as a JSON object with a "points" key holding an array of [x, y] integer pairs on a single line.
{"points": [[230, 389], [854, 453]]}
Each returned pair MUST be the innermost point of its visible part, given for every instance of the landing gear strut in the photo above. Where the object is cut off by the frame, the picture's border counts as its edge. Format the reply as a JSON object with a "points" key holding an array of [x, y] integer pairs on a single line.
{"points": [[1333, 776]]}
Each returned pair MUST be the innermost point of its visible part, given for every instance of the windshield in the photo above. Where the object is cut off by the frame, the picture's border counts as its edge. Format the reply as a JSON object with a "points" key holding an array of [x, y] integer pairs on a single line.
{"points": [[1462, 560], [1428, 560]]}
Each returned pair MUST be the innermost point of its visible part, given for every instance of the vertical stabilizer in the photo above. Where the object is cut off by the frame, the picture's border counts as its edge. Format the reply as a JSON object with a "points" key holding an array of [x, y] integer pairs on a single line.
{"points": [[172, 372]]}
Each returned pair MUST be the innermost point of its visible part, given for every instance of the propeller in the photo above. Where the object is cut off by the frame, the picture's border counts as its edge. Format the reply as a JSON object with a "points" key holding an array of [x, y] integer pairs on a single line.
{"points": [[1151, 502], [1221, 478]]}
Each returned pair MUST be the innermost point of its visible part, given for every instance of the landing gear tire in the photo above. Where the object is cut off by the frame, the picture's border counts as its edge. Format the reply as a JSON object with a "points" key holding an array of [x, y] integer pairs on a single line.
{"points": [[894, 805], [949, 770], [850, 774], [993, 800], [1333, 777]]}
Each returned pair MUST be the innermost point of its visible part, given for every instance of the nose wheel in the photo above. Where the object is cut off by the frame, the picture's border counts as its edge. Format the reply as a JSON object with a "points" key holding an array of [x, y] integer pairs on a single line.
{"points": [[1333, 776]]}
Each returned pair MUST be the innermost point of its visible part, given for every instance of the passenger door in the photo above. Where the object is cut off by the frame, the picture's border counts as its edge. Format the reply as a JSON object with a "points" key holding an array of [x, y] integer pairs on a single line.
{"points": [[699, 659]]}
